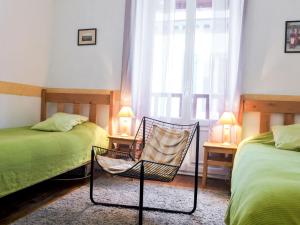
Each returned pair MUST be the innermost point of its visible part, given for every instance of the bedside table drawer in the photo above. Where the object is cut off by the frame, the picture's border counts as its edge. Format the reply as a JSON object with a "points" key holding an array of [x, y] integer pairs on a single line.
{"points": [[219, 163], [122, 143]]}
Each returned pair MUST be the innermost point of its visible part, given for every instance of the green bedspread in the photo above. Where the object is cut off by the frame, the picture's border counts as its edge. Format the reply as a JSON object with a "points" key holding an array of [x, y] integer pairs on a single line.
{"points": [[265, 185], [28, 156]]}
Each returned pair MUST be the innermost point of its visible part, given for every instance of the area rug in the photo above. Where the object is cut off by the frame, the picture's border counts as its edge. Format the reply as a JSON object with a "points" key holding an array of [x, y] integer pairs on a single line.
{"points": [[76, 207]]}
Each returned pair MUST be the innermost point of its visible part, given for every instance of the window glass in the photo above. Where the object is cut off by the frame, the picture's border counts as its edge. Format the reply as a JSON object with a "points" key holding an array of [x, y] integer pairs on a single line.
{"points": [[170, 90]]}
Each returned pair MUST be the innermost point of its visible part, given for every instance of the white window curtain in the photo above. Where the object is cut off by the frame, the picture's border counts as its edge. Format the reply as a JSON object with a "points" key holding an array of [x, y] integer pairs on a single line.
{"points": [[181, 58]]}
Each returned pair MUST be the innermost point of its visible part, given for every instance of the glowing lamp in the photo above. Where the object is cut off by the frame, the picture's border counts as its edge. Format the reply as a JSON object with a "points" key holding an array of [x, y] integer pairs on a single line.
{"points": [[125, 116], [227, 120]]}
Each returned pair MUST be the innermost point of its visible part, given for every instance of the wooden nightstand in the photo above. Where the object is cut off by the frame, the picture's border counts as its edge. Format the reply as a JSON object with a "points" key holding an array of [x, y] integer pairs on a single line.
{"points": [[227, 150], [123, 143]]}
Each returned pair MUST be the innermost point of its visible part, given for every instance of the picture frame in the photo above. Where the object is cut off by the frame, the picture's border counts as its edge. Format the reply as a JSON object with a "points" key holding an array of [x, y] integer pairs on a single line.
{"points": [[87, 36], [292, 36]]}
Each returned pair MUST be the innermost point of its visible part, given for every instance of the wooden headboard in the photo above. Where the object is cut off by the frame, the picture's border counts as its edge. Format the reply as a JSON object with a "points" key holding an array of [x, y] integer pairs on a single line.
{"points": [[78, 97], [268, 104]]}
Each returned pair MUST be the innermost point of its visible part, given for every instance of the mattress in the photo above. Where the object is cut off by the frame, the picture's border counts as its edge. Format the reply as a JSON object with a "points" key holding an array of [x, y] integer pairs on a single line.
{"points": [[29, 156], [265, 185]]}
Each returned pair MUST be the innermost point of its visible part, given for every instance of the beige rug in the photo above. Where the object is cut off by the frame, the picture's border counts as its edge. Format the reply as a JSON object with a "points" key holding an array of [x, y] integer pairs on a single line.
{"points": [[76, 207]]}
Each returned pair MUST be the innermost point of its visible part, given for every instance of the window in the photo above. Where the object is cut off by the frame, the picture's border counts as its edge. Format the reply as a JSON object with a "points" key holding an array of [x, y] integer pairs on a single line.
{"points": [[191, 69]]}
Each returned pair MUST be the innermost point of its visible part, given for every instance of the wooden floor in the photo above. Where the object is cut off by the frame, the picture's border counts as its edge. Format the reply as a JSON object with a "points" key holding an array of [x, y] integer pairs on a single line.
{"points": [[17, 205]]}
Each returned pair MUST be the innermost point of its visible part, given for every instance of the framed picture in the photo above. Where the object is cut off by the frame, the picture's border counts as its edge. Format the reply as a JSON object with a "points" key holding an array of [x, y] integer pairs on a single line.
{"points": [[87, 36], [292, 37]]}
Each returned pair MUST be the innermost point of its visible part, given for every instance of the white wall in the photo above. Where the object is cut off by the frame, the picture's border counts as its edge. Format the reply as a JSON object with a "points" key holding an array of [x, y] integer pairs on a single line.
{"points": [[87, 66], [18, 111], [267, 69], [25, 37], [38, 42], [25, 41]]}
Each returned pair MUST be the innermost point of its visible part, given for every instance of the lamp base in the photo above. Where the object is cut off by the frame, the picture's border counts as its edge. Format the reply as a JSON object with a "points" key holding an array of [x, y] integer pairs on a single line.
{"points": [[125, 126], [226, 135]]}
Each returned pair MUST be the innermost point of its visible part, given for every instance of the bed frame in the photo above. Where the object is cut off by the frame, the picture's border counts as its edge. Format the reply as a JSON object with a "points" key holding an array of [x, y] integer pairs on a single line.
{"points": [[78, 97], [268, 104]]}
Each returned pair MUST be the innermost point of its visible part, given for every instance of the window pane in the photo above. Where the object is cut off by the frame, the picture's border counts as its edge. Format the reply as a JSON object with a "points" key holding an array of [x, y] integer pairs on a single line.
{"points": [[175, 107], [203, 49], [181, 4], [169, 48], [201, 106], [168, 59], [166, 105], [201, 109], [210, 56], [217, 103]]}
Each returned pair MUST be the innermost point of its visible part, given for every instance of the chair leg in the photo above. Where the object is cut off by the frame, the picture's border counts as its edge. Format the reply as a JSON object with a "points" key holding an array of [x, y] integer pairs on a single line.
{"points": [[196, 169], [141, 195], [92, 177]]}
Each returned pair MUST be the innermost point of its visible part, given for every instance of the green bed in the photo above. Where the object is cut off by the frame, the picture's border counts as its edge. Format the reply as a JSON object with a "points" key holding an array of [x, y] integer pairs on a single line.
{"points": [[265, 185], [28, 156]]}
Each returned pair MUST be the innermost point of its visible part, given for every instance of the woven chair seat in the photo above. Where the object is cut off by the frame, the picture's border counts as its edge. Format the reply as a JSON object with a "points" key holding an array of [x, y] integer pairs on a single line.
{"points": [[127, 167], [114, 166]]}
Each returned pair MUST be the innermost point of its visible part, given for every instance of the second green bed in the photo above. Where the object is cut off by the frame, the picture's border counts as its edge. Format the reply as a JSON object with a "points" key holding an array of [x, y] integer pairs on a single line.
{"points": [[265, 185]]}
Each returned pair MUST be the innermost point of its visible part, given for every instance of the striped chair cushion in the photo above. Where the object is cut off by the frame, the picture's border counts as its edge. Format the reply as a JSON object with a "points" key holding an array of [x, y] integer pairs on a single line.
{"points": [[165, 146]]}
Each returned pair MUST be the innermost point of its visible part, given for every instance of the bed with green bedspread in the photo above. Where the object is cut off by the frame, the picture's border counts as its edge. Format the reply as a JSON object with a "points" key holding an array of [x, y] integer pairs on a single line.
{"points": [[29, 156], [265, 184]]}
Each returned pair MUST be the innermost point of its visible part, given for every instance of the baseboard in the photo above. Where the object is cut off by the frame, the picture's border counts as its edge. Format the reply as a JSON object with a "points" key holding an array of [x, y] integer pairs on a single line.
{"points": [[215, 176]]}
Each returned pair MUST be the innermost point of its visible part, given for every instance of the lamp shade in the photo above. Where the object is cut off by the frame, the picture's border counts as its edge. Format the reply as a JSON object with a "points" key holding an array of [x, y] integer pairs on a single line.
{"points": [[126, 111], [227, 118]]}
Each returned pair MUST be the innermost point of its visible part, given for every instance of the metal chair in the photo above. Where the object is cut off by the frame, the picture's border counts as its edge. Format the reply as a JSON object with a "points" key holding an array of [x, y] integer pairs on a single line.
{"points": [[148, 170]]}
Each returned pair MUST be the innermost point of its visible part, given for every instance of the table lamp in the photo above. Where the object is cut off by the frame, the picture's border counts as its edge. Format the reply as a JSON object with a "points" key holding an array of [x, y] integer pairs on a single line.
{"points": [[227, 120], [125, 116]]}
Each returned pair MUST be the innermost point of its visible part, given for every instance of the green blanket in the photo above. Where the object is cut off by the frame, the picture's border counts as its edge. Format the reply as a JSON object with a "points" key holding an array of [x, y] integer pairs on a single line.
{"points": [[28, 156], [265, 185]]}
